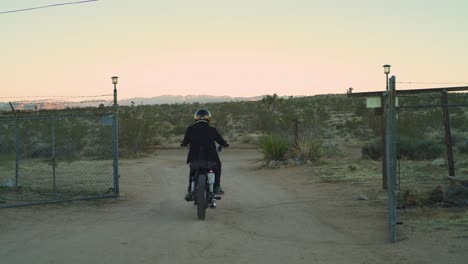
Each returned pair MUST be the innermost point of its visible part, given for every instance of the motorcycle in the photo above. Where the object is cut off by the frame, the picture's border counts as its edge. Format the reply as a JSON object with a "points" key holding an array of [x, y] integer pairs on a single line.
{"points": [[202, 186]]}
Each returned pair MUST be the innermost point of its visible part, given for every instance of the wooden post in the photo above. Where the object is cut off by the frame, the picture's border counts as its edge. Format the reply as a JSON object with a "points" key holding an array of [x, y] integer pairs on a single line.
{"points": [[448, 135], [296, 132]]}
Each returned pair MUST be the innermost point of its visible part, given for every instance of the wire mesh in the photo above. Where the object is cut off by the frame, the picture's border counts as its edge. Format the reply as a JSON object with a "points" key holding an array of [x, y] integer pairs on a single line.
{"points": [[424, 155], [56, 157]]}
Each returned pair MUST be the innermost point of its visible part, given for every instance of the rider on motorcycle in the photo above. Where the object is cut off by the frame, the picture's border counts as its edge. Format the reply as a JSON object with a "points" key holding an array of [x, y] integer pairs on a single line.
{"points": [[202, 136]]}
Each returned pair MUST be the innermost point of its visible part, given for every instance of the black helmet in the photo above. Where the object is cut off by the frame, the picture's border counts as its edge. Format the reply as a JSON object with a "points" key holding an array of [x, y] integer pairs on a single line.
{"points": [[202, 114]]}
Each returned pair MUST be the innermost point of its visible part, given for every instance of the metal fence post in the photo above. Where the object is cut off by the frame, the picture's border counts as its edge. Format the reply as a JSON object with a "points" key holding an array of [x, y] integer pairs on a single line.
{"points": [[17, 149], [115, 130], [448, 134], [16, 146], [390, 149], [54, 186]]}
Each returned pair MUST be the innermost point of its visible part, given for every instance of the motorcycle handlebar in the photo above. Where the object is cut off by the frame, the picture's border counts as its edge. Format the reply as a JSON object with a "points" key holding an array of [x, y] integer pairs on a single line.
{"points": [[220, 148]]}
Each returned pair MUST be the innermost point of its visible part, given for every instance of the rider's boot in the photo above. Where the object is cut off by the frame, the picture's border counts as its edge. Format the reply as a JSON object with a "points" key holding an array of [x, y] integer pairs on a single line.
{"points": [[218, 190], [188, 197]]}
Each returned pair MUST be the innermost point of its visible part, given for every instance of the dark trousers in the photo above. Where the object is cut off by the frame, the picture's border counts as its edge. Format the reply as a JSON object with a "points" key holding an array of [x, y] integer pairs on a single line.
{"points": [[216, 170]]}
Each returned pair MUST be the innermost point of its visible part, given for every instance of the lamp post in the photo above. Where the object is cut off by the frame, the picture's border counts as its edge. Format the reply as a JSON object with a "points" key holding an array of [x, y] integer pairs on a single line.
{"points": [[115, 129], [383, 129], [387, 71]]}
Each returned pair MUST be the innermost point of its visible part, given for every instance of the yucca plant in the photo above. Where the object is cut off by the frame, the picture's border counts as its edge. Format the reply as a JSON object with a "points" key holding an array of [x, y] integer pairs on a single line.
{"points": [[308, 149], [273, 147]]}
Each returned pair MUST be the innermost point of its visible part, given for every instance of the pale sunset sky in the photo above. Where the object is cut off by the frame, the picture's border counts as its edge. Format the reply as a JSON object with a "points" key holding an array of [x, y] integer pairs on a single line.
{"points": [[230, 47]]}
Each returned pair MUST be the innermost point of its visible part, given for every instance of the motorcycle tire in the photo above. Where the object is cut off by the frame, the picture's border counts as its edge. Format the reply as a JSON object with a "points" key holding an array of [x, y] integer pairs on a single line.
{"points": [[201, 196]]}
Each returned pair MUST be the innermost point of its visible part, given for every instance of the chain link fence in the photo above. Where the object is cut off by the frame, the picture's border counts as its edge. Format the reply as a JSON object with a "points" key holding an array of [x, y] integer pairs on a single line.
{"points": [[57, 157], [425, 154]]}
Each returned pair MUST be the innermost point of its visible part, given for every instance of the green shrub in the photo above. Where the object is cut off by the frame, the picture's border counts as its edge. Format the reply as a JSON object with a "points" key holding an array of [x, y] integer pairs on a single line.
{"points": [[308, 149], [40, 150], [372, 150], [418, 198], [246, 139], [273, 147], [463, 146], [408, 148], [420, 149]]}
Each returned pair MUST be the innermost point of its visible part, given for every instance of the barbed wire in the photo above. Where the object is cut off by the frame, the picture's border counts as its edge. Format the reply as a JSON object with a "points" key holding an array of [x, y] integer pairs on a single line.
{"points": [[47, 6], [57, 96], [34, 103], [434, 82]]}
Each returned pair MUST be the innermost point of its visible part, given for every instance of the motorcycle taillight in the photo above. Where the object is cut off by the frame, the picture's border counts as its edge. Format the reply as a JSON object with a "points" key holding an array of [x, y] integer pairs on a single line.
{"points": [[211, 177]]}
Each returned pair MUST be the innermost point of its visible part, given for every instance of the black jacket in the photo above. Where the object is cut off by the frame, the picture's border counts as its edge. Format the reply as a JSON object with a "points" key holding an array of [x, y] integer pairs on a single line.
{"points": [[202, 136]]}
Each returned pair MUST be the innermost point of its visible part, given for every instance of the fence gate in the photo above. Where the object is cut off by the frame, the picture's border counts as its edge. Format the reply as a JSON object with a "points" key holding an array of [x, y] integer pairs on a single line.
{"points": [[388, 102], [56, 157]]}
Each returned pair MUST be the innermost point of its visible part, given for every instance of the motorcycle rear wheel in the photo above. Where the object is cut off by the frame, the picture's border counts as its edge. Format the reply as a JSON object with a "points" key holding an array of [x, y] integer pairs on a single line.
{"points": [[201, 196]]}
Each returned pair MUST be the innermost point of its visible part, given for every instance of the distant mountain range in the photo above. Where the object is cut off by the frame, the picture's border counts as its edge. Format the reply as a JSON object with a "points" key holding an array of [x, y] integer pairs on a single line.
{"points": [[180, 99], [32, 105]]}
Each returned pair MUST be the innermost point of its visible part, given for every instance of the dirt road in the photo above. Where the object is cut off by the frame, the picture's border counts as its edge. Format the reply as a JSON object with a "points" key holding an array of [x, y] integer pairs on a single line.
{"points": [[266, 216]]}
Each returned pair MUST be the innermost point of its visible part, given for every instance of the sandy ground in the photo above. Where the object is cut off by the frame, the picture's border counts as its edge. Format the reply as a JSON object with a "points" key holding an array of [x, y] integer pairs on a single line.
{"points": [[266, 216]]}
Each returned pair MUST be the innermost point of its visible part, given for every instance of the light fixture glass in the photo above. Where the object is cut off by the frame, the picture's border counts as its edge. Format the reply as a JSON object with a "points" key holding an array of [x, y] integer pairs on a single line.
{"points": [[387, 68], [115, 79]]}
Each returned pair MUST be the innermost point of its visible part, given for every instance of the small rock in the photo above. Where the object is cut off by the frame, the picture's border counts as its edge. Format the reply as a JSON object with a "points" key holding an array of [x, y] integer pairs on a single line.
{"points": [[362, 198], [7, 183]]}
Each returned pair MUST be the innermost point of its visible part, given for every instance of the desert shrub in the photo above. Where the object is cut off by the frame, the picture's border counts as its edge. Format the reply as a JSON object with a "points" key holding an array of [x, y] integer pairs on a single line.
{"points": [[136, 132], [308, 149], [264, 121], [413, 198], [273, 147], [331, 149], [458, 121], [372, 150], [419, 149], [457, 138], [67, 151], [463, 146], [7, 143], [418, 198], [409, 148], [351, 125], [40, 150], [179, 129], [314, 119], [247, 139]]}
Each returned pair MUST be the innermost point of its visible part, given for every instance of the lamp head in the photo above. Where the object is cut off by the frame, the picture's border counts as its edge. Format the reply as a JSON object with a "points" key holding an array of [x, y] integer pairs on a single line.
{"points": [[387, 68], [115, 79]]}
